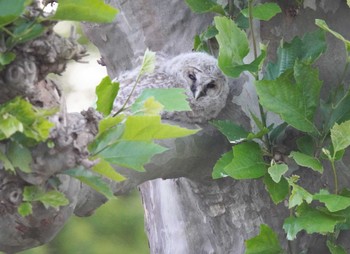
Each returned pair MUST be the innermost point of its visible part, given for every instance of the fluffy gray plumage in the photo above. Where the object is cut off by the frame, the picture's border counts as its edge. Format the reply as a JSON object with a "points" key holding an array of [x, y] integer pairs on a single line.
{"points": [[205, 85]]}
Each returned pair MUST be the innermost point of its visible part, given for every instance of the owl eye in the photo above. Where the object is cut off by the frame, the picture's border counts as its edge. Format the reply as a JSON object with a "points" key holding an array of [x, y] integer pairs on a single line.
{"points": [[192, 77], [211, 85]]}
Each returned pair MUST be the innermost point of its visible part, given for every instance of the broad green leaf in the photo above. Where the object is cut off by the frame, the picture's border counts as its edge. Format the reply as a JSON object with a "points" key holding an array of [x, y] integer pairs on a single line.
{"points": [[265, 243], [20, 157], [146, 128], [219, 168], [278, 191], [334, 248], [25, 209], [152, 107], [348, 2], [308, 49], [322, 24], [308, 161], [276, 171], [85, 10], [340, 135], [52, 198], [106, 92], [294, 96], [6, 58], [233, 46], [6, 162], [131, 154], [232, 131], [10, 11], [148, 62], [173, 99], [106, 138], [202, 6], [310, 220], [109, 122], [92, 180], [333, 202], [298, 196], [247, 162], [25, 31], [264, 11], [9, 125], [105, 169]]}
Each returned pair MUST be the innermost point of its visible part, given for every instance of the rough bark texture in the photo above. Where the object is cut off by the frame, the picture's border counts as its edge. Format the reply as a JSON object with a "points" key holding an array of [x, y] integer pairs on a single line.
{"points": [[199, 215]]}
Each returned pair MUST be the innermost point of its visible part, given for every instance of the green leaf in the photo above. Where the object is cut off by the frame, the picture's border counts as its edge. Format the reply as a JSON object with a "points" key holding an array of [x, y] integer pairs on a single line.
{"points": [[151, 107], [146, 128], [298, 196], [6, 162], [106, 92], [131, 154], [148, 62], [305, 160], [85, 10], [25, 31], [333, 202], [233, 44], [247, 162], [335, 249], [219, 168], [10, 12], [92, 180], [340, 135], [9, 125], [308, 49], [278, 191], [105, 169], [232, 131], [310, 220], [265, 243], [322, 24], [25, 209], [276, 171], [106, 138], [173, 99], [109, 122], [203, 6], [6, 58], [294, 96], [264, 11], [52, 198], [19, 156]]}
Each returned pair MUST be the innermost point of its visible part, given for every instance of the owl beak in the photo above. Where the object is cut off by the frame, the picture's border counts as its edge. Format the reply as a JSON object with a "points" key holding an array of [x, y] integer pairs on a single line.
{"points": [[199, 93]]}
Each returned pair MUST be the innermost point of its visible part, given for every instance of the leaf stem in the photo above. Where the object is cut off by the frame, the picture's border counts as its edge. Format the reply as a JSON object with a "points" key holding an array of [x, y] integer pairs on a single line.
{"points": [[8, 32], [335, 175]]}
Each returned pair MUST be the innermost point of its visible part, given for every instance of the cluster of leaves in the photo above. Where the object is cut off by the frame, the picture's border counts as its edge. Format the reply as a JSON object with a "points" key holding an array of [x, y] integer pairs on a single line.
{"points": [[22, 125], [289, 87], [19, 23]]}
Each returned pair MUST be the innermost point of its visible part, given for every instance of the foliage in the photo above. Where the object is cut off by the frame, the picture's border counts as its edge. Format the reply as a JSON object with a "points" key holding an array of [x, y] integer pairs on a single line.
{"points": [[289, 87]]}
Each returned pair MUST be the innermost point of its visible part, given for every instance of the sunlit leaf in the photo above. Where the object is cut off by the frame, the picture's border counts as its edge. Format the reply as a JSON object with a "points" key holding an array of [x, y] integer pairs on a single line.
{"points": [[219, 168], [123, 153], [145, 128], [298, 196], [85, 10], [340, 135], [25, 209], [247, 162], [6, 58], [305, 160], [106, 92], [334, 248], [276, 171], [264, 11], [6, 162], [265, 243], [232, 131], [106, 138], [105, 169], [333, 202], [173, 99], [92, 180], [310, 220], [151, 107], [51, 198], [322, 24], [148, 63]]}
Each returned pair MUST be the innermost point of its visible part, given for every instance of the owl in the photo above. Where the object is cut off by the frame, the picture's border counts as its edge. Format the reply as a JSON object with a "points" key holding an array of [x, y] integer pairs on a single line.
{"points": [[197, 73]]}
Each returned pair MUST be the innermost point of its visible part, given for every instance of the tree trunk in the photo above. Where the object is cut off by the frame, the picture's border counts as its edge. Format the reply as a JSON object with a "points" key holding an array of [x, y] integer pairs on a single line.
{"points": [[194, 214]]}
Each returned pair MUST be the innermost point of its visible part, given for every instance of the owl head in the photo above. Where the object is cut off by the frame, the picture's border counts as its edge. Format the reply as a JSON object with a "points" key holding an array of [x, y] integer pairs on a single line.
{"points": [[206, 87]]}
